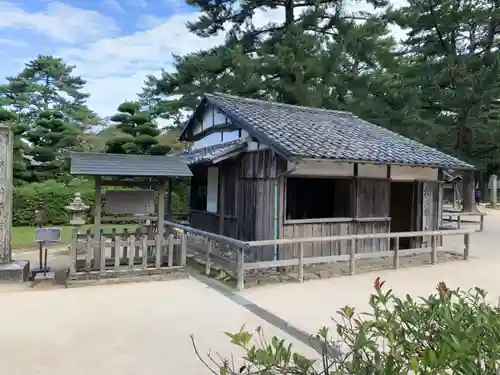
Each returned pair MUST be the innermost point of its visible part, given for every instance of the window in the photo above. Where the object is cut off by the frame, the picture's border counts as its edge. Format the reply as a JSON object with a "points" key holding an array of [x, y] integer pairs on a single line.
{"points": [[199, 189], [318, 198]]}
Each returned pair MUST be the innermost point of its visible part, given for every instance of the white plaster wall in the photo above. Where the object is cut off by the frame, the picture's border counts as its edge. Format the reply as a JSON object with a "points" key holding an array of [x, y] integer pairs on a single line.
{"points": [[209, 140], [210, 118], [323, 168], [372, 170], [212, 188], [405, 173]]}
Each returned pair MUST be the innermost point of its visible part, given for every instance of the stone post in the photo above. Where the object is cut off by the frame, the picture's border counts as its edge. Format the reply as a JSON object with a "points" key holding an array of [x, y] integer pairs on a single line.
{"points": [[77, 210], [10, 270]]}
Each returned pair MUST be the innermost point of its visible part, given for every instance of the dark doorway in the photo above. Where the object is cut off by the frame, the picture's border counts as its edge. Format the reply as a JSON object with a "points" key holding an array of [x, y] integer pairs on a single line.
{"points": [[401, 210]]}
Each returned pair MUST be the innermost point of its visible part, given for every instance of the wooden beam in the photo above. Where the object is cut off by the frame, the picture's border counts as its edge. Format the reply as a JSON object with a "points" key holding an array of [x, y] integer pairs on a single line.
{"points": [[131, 183]]}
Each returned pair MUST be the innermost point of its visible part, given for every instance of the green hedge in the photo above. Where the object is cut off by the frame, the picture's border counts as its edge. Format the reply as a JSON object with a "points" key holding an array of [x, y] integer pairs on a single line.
{"points": [[53, 196]]}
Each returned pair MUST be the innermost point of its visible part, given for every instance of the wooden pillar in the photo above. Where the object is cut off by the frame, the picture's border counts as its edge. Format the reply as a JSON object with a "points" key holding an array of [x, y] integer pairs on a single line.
{"points": [[160, 223], [97, 222], [169, 200], [221, 201]]}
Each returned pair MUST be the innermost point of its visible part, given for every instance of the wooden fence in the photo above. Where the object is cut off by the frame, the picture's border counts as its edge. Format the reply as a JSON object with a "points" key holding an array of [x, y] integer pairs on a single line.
{"points": [[212, 246], [123, 252], [456, 217]]}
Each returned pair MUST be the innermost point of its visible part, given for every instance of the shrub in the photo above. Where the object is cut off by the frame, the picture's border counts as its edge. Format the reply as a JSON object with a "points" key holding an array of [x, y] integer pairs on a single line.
{"points": [[52, 196], [450, 332]]}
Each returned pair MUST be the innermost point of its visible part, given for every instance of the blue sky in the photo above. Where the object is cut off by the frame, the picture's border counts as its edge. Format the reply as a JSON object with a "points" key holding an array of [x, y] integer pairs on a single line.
{"points": [[113, 43]]}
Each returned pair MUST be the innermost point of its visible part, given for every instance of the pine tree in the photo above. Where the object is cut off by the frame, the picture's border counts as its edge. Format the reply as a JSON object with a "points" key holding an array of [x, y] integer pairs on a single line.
{"points": [[455, 69], [139, 129], [45, 84], [50, 138]]}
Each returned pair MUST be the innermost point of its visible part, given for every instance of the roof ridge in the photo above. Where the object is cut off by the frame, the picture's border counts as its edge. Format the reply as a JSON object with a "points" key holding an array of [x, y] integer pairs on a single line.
{"points": [[293, 106]]}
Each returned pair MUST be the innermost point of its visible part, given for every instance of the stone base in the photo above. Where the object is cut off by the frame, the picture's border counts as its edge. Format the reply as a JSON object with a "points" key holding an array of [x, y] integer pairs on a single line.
{"points": [[17, 270], [127, 276]]}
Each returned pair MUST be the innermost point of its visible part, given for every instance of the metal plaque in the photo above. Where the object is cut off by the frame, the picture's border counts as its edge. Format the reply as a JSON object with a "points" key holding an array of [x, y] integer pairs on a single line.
{"points": [[48, 235]]}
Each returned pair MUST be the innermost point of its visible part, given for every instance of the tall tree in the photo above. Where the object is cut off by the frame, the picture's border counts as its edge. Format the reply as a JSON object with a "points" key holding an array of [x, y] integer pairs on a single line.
{"points": [[50, 138], [45, 84], [139, 132], [455, 69]]}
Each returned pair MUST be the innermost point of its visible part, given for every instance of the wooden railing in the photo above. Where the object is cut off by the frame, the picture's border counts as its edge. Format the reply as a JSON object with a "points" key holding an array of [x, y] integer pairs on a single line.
{"points": [[235, 264], [457, 217], [126, 251]]}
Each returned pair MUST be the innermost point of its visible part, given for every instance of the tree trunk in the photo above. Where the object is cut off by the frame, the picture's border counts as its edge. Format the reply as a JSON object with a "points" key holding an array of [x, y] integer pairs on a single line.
{"points": [[469, 204]]}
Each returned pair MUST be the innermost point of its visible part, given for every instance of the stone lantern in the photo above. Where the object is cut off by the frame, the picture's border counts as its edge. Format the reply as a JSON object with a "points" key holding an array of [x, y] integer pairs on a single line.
{"points": [[77, 209]]}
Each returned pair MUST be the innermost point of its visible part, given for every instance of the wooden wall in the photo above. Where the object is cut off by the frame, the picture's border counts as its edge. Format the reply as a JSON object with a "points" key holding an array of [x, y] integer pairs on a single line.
{"points": [[256, 199], [250, 183], [331, 227]]}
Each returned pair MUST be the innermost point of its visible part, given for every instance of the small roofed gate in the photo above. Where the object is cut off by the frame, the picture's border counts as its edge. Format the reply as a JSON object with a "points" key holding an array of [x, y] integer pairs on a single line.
{"points": [[128, 237]]}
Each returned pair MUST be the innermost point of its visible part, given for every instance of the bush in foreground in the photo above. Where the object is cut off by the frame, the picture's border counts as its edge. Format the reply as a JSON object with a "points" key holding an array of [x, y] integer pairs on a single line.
{"points": [[449, 332]]}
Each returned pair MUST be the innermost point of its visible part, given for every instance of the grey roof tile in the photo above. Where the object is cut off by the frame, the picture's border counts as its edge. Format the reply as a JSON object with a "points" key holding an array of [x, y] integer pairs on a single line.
{"points": [[95, 164], [319, 133], [209, 153]]}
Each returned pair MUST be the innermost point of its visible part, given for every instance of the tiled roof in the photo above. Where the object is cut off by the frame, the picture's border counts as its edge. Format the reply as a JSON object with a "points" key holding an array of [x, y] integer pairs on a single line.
{"points": [[207, 154], [319, 133], [100, 164]]}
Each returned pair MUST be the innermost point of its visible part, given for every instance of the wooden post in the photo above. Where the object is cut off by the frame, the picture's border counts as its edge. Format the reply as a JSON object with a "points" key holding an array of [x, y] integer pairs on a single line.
{"points": [[183, 248], [131, 251], [240, 272], [144, 246], [301, 262], [221, 202], [493, 191], [160, 231], [97, 222], [434, 250], [102, 252], [169, 200], [73, 250], [117, 247], [466, 246], [170, 250], [352, 257], [207, 260], [396, 254]]}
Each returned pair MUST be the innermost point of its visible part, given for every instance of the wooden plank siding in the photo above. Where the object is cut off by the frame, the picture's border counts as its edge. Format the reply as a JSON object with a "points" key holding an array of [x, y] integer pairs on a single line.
{"points": [[250, 183], [256, 199]]}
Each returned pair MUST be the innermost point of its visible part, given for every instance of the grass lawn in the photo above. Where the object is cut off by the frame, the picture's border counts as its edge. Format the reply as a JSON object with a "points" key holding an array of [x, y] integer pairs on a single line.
{"points": [[24, 237]]}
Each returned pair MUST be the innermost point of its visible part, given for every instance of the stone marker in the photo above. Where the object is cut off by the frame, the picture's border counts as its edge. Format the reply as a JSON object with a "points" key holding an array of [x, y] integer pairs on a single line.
{"points": [[17, 270]]}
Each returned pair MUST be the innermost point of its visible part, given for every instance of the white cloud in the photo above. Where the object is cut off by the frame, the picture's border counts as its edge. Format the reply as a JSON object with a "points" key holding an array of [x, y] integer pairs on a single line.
{"points": [[115, 68], [59, 21], [13, 43], [148, 21]]}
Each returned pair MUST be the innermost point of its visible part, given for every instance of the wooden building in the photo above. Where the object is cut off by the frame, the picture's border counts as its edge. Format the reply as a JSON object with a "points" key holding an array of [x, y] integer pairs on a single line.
{"points": [[264, 170]]}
